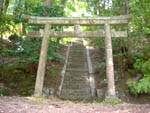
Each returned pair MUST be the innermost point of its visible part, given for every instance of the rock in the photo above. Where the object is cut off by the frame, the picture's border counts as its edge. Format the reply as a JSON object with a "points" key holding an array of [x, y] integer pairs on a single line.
{"points": [[112, 100], [100, 94], [49, 91], [46, 91]]}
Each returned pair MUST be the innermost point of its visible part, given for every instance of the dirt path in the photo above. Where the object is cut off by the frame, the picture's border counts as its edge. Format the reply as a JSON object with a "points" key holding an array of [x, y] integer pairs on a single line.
{"points": [[54, 105]]}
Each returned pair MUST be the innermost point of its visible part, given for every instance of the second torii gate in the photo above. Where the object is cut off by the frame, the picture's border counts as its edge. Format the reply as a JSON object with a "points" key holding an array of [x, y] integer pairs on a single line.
{"points": [[61, 21]]}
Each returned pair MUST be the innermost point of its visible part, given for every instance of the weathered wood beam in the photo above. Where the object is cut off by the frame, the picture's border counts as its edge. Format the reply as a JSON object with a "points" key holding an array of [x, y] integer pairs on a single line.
{"points": [[80, 21], [42, 63], [85, 34]]}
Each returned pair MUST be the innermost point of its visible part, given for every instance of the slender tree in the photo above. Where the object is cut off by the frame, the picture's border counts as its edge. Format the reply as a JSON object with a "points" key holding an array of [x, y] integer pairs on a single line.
{"points": [[1, 4], [1, 7], [63, 2], [47, 2], [6, 4], [127, 7]]}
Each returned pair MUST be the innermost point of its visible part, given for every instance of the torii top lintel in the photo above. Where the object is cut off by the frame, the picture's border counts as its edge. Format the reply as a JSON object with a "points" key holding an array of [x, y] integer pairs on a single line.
{"points": [[78, 20]]}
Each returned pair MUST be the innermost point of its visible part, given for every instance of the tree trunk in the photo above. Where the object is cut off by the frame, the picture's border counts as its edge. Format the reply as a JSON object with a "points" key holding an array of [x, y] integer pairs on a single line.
{"points": [[47, 2], [123, 7], [127, 7], [6, 6], [1, 14], [1, 7], [104, 4], [63, 2], [23, 26], [128, 29], [1, 4], [108, 3]]}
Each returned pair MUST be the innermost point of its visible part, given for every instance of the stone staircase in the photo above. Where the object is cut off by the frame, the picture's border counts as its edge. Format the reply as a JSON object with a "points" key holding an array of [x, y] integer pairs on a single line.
{"points": [[76, 82]]}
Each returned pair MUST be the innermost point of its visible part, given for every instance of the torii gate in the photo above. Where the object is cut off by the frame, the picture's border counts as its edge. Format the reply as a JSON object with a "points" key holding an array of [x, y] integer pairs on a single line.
{"points": [[60, 21]]}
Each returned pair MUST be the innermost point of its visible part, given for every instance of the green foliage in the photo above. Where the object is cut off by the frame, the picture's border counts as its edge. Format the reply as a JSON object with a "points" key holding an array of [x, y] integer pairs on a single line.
{"points": [[54, 10], [4, 91], [140, 11], [28, 48], [27, 86], [97, 42], [140, 87], [141, 65], [17, 77], [98, 68], [26, 91], [53, 74], [18, 74], [5, 24]]}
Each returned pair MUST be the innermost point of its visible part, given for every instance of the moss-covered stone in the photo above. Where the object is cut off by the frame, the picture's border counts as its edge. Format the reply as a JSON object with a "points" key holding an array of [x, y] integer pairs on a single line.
{"points": [[112, 100]]}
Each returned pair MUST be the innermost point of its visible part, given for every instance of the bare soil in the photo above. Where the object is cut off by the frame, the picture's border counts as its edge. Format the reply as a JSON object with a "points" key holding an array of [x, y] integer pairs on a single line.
{"points": [[55, 105]]}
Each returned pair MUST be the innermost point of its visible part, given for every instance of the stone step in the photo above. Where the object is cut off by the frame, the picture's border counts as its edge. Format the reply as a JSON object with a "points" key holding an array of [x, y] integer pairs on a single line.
{"points": [[72, 97], [72, 52], [77, 43], [77, 73], [76, 78], [76, 97], [77, 53], [84, 90], [77, 47], [77, 67], [76, 59], [76, 92], [77, 64], [81, 44], [74, 87], [84, 93], [77, 82], [77, 50], [84, 55], [76, 70]]}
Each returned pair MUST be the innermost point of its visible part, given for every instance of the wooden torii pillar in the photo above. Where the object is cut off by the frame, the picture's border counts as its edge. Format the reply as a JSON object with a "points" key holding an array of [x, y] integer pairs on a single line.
{"points": [[107, 33]]}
